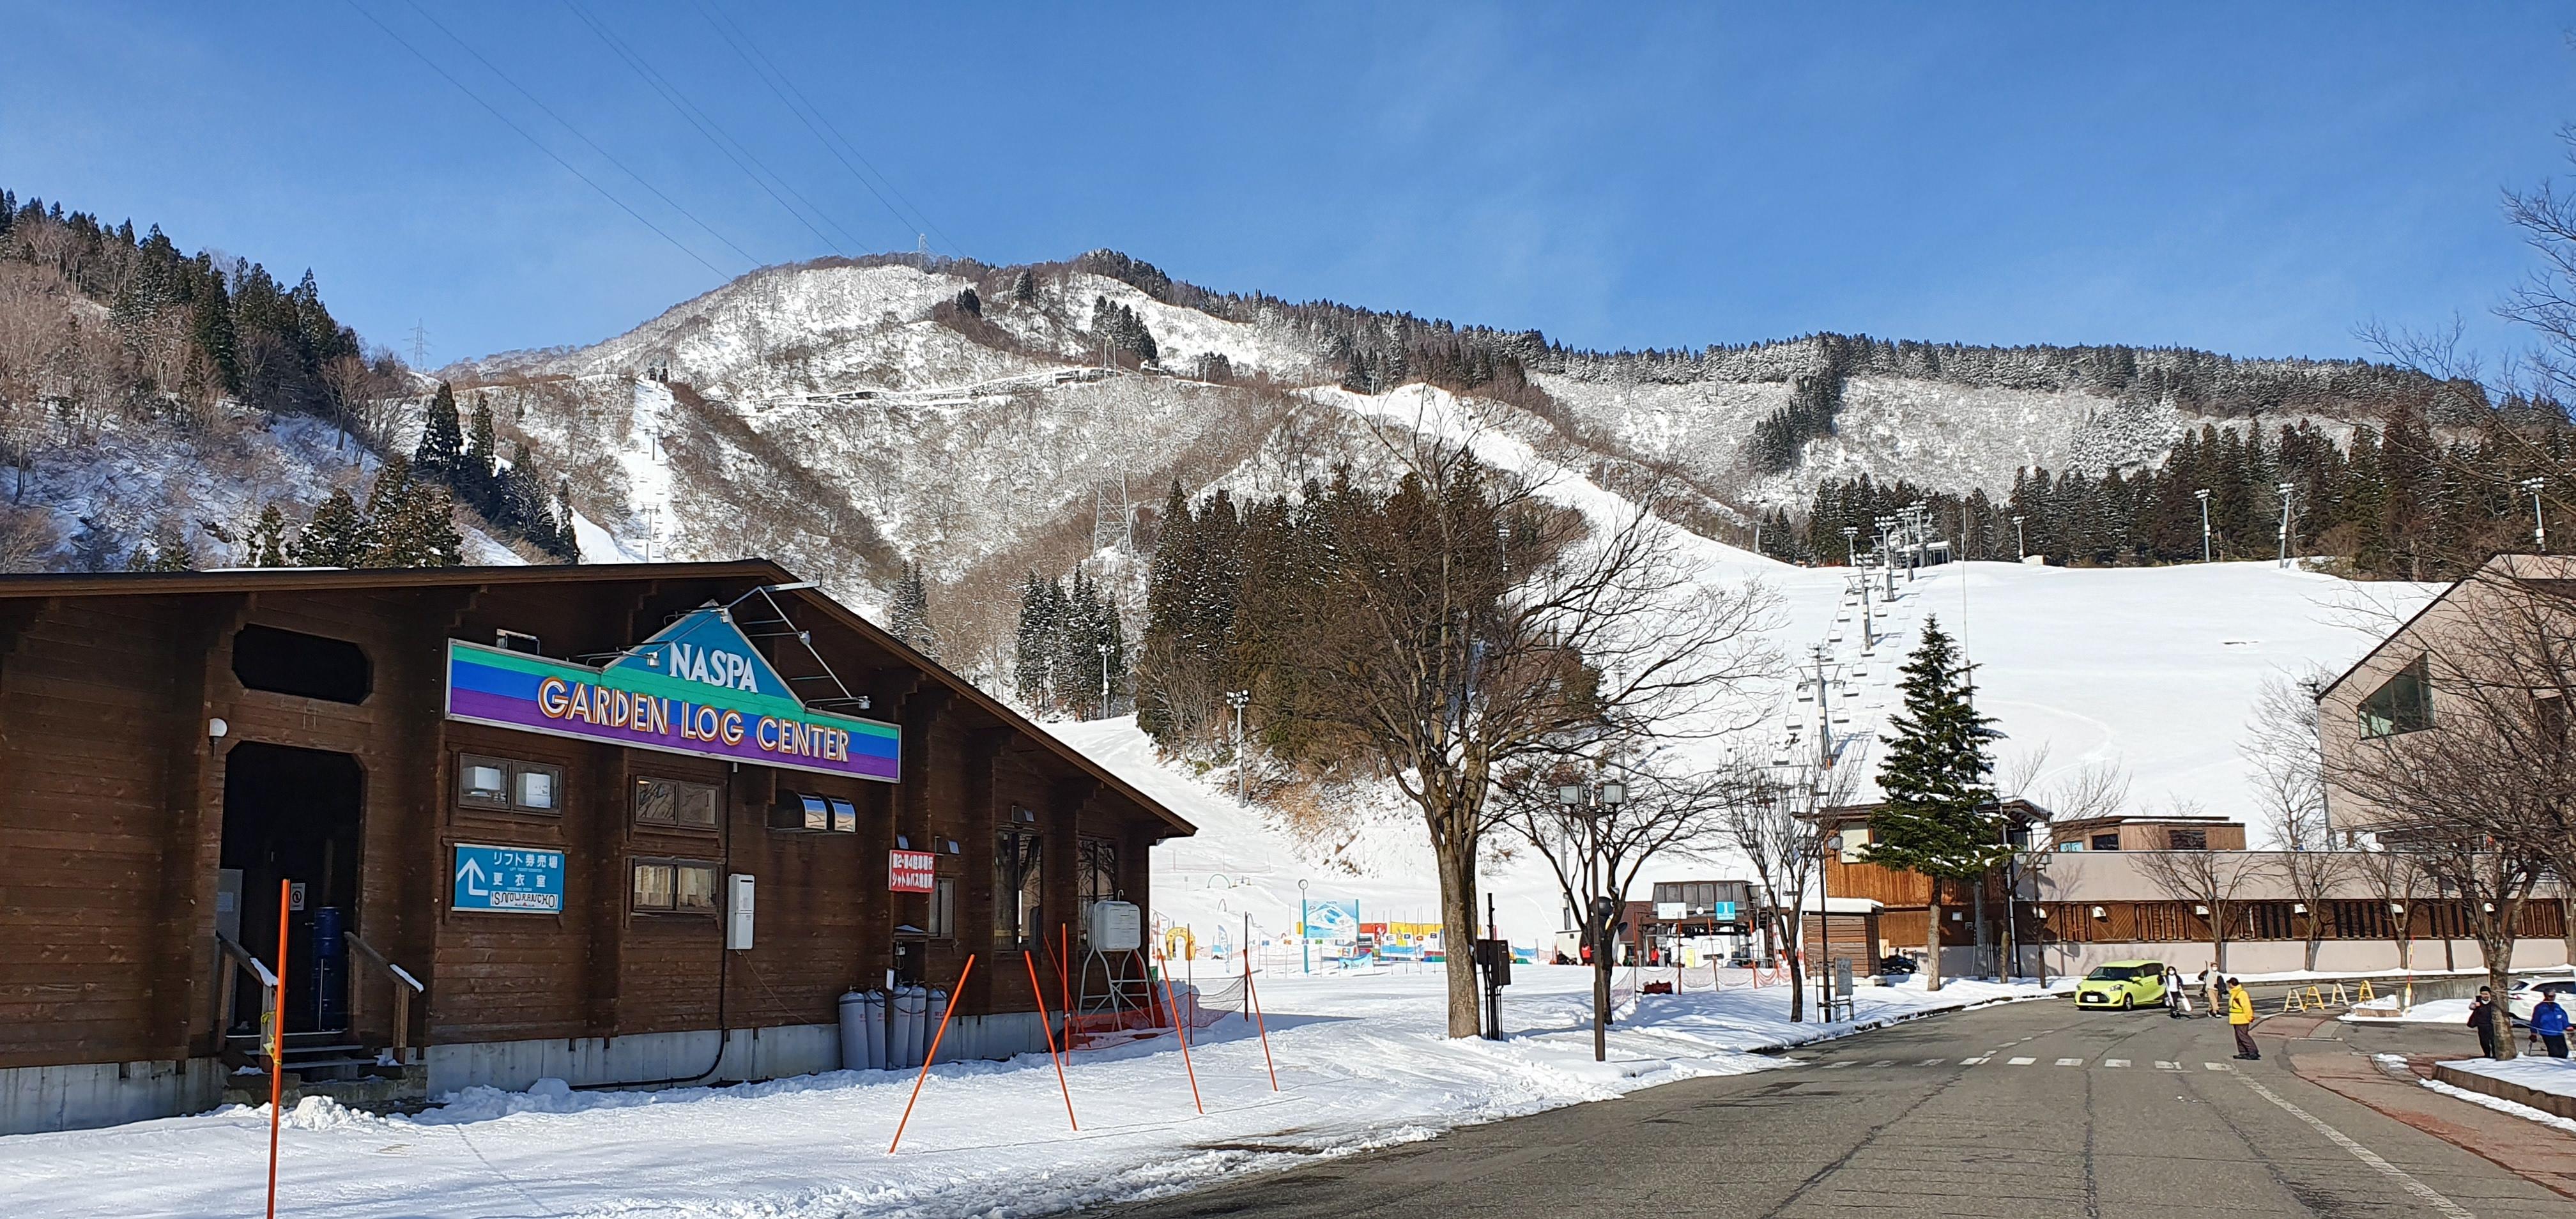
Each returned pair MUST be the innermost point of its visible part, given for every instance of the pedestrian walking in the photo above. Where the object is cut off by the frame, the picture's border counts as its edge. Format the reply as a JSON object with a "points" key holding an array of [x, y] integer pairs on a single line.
{"points": [[2549, 1024], [2478, 1009], [2211, 992], [2177, 995], [2240, 1019]]}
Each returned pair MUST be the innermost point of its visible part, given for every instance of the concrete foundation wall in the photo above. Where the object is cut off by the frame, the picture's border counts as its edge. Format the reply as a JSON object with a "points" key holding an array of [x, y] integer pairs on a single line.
{"points": [[666, 1059], [2276, 956], [84, 1095]]}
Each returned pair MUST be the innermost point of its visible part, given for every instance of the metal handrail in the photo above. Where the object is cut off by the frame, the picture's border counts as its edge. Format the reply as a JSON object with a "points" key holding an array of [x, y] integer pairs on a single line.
{"points": [[231, 982], [402, 996]]}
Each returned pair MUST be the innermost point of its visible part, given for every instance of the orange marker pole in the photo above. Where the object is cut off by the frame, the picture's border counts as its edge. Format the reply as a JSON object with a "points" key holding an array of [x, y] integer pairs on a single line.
{"points": [[1180, 1029], [1048, 1027], [954, 994], [1260, 1024], [277, 1044]]}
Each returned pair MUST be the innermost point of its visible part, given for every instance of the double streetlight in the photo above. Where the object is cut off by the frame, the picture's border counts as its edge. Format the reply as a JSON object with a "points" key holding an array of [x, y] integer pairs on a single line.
{"points": [[2203, 496], [2539, 530], [2289, 493], [2020, 551], [1236, 699], [1592, 802]]}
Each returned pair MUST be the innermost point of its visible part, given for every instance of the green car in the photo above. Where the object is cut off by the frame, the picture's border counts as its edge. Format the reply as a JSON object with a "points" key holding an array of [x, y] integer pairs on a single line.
{"points": [[2122, 984]]}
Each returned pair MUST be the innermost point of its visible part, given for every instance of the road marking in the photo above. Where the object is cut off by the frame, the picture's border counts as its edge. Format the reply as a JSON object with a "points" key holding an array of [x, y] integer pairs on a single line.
{"points": [[2364, 1154], [2023, 1062], [1884, 1062], [2115, 1062], [1977, 1061], [2215, 1066], [1931, 1062], [2070, 1062], [2162, 1065], [1836, 1066]]}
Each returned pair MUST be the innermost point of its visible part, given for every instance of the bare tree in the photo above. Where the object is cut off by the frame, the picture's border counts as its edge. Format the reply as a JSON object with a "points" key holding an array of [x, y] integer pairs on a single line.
{"points": [[1469, 627], [1773, 815], [2281, 743], [2395, 880], [1598, 826], [2214, 882], [2095, 788], [2467, 765]]}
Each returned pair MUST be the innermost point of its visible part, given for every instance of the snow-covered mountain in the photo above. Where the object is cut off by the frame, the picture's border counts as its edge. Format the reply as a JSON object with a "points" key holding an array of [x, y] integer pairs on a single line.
{"points": [[849, 416]]}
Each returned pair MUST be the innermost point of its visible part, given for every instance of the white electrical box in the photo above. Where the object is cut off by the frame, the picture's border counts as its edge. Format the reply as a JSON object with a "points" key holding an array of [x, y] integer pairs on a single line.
{"points": [[1116, 927], [738, 911]]}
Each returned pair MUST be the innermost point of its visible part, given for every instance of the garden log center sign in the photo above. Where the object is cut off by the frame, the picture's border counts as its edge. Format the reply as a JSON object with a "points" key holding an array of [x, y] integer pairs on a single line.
{"points": [[698, 687]]}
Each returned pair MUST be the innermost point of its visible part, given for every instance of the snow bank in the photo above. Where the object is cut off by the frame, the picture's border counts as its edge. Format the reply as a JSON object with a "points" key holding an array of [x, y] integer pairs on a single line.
{"points": [[1361, 1058], [2555, 1076]]}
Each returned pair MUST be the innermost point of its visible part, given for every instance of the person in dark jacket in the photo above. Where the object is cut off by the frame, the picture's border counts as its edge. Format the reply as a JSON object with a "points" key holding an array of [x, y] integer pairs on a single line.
{"points": [[2549, 1024], [2478, 1019]]}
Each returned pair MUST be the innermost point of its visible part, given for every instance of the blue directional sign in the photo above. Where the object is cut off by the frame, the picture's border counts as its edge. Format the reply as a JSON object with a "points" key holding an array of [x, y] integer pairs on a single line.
{"points": [[1723, 912], [514, 880]]}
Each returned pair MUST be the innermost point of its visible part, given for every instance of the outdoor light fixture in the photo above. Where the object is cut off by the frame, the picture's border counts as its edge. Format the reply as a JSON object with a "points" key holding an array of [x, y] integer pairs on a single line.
{"points": [[1570, 794], [2099, 912], [1614, 793], [216, 728]]}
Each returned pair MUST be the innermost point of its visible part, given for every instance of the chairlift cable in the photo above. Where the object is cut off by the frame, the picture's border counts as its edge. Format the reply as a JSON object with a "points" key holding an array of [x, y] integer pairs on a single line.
{"points": [[540, 145], [742, 157], [593, 145]]}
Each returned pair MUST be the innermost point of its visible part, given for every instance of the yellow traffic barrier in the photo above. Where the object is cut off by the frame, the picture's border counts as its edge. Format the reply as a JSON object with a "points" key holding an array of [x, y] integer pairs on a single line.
{"points": [[2290, 1002], [2363, 991], [2341, 998]]}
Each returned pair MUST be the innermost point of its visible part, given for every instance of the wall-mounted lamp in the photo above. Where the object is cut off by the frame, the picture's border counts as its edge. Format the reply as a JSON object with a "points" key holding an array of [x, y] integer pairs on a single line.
{"points": [[216, 728]]}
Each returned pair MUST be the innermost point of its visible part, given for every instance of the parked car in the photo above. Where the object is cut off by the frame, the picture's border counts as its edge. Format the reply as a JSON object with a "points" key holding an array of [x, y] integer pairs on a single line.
{"points": [[2525, 994], [1896, 963], [2123, 984]]}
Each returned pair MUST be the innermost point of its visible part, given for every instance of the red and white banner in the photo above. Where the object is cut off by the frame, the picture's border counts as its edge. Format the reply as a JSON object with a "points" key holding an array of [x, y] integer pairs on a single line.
{"points": [[909, 871]]}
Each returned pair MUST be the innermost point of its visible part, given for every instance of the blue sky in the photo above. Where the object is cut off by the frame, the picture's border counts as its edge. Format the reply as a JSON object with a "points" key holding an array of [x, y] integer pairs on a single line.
{"points": [[2252, 182]]}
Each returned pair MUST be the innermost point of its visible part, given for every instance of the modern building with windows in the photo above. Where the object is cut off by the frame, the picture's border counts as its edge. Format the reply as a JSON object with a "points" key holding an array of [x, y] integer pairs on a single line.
{"points": [[618, 825]]}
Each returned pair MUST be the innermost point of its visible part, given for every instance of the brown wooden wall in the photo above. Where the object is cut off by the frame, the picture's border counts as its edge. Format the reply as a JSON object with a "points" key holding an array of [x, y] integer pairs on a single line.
{"points": [[111, 802]]}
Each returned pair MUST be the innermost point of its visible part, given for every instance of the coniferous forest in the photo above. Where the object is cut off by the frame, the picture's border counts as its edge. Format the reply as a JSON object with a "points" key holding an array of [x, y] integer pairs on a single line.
{"points": [[2395, 501]]}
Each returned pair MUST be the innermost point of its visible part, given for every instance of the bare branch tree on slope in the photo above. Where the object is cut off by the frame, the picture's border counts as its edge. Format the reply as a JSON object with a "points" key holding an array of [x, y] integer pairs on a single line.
{"points": [[1466, 624]]}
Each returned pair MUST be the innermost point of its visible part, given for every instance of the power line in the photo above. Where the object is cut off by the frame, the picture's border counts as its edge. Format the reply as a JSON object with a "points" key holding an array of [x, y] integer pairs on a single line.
{"points": [[743, 160], [540, 145], [576, 133], [919, 220]]}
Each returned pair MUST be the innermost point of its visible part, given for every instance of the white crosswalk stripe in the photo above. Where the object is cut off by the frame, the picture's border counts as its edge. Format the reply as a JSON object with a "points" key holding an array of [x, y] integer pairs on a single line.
{"points": [[2115, 1062], [2070, 1062], [2023, 1062], [1978, 1060], [1884, 1062], [1836, 1066], [2215, 1066], [2162, 1065], [1932, 1062]]}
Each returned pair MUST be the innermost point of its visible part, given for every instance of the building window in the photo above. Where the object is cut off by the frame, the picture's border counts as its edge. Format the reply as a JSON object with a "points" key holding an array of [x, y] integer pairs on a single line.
{"points": [[2161, 922], [1097, 880], [1017, 875], [675, 886], [482, 782], [2403, 703], [2107, 842], [503, 783], [2186, 840], [943, 908], [306, 666], [2271, 920], [675, 803]]}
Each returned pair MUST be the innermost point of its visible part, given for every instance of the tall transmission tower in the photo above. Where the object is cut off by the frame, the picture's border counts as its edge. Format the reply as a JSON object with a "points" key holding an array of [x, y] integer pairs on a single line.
{"points": [[419, 344]]}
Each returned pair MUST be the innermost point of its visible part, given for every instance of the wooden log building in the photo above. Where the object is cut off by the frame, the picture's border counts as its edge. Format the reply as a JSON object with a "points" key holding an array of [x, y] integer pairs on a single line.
{"points": [[525, 813]]}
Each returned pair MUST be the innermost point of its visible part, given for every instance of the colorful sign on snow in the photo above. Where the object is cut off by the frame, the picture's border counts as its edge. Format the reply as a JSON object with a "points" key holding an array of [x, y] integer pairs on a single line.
{"points": [[698, 687], [1338, 922]]}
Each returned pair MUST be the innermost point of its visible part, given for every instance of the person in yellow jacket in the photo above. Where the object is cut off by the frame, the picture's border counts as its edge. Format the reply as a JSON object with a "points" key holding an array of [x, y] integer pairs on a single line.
{"points": [[2240, 1019]]}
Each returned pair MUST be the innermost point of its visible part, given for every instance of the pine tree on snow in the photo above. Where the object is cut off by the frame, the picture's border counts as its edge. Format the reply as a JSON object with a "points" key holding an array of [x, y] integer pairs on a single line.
{"points": [[335, 537], [442, 442], [268, 538], [908, 619], [1938, 817]]}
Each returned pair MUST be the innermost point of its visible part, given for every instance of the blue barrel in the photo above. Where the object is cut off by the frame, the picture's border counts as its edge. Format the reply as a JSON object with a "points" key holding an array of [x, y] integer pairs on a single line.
{"points": [[330, 969]]}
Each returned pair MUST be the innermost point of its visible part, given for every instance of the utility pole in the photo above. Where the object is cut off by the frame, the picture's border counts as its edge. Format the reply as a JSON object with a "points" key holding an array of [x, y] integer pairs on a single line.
{"points": [[2020, 551], [1104, 680], [1236, 699], [1851, 546], [1305, 938], [2539, 530], [1868, 628], [2203, 495], [2289, 492]]}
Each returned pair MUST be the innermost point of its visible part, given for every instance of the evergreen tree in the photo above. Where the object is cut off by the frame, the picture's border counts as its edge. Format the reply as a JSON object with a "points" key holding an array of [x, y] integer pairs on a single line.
{"points": [[168, 550], [1938, 817], [1024, 288], [335, 537], [908, 618], [476, 479], [441, 452], [268, 538], [1033, 650]]}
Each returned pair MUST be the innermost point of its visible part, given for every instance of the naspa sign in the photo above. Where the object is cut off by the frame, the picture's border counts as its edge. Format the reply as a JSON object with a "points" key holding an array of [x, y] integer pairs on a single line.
{"points": [[516, 880], [698, 687]]}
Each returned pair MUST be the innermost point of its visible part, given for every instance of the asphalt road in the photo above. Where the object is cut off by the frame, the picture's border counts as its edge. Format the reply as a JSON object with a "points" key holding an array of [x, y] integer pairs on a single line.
{"points": [[2021, 1111]]}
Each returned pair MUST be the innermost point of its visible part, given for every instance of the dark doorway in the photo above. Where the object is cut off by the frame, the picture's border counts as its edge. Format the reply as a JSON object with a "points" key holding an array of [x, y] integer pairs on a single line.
{"points": [[294, 815]]}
